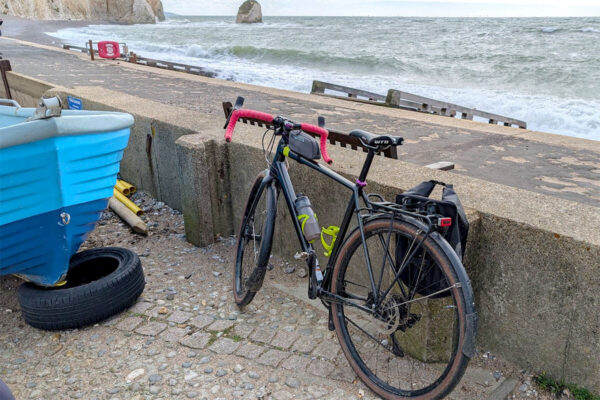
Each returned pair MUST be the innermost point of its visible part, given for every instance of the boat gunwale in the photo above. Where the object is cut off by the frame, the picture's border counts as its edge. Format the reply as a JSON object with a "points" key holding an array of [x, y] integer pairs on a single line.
{"points": [[70, 123]]}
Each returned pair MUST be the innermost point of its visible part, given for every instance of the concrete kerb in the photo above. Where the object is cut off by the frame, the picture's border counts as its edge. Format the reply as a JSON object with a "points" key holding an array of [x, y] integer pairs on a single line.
{"points": [[533, 258]]}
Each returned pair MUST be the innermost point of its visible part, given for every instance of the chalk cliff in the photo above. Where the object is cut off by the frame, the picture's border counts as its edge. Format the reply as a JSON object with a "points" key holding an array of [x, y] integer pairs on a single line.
{"points": [[122, 11], [249, 12]]}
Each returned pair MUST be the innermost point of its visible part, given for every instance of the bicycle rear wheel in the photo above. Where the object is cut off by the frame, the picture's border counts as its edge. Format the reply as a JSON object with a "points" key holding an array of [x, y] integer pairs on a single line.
{"points": [[254, 240], [417, 340]]}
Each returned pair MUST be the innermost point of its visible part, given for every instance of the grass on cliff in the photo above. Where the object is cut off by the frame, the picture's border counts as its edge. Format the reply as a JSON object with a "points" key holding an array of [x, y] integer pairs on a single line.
{"points": [[549, 384]]}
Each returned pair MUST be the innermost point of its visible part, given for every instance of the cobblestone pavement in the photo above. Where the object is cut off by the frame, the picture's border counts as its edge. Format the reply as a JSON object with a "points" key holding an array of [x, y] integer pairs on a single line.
{"points": [[186, 339]]}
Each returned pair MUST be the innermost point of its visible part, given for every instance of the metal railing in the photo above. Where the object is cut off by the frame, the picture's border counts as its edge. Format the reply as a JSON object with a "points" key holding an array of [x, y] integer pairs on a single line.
{"points": [[408, 101]]}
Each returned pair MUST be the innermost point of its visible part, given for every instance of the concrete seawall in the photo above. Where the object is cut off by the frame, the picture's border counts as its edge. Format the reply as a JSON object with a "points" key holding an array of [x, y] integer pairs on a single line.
{"points": [[534, 259]]}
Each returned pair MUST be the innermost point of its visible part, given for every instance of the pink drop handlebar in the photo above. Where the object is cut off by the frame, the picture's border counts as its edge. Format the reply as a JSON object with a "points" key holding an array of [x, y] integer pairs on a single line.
{"points": [[268, 118]]}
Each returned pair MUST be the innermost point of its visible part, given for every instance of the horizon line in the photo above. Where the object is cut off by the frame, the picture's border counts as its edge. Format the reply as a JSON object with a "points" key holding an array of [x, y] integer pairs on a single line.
{"points": [[390, 16]]}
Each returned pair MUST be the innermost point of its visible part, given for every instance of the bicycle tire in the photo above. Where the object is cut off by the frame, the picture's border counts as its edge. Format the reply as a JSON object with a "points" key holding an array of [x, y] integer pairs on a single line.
{"points": [[263, 199], [420, 344]]}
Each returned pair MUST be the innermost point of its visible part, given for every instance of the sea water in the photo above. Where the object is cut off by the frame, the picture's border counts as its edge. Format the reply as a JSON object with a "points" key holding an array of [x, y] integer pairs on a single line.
{"points": [[545, 71]]}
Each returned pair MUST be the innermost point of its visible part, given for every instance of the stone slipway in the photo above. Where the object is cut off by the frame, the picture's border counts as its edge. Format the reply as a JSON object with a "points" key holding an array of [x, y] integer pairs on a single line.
{"points": [[551, 164]]}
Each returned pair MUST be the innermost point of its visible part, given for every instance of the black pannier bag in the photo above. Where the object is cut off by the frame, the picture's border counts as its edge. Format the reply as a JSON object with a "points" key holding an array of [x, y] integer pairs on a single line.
{"points": [[304, 144], [417, 200]]}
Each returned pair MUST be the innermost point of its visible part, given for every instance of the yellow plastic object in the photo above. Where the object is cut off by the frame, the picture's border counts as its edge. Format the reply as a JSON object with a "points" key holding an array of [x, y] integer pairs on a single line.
{"points": [[331, 231], [286, 151], [122, 188], [128, 203], [132, 189]]}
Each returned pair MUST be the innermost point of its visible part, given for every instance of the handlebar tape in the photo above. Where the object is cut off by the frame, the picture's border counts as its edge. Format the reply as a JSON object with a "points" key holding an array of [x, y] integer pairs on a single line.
{"points": [[323, 133], [245, 113], [268, 118]]}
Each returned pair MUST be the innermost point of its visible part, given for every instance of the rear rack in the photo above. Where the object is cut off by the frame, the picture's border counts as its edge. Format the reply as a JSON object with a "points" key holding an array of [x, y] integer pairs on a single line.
{"points": [[432, 220], [334, 137]]}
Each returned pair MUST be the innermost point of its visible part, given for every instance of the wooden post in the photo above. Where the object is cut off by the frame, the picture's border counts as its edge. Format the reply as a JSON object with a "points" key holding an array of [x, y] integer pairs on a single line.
{"points": [[91, 49], [318, 87], [5, 66]]}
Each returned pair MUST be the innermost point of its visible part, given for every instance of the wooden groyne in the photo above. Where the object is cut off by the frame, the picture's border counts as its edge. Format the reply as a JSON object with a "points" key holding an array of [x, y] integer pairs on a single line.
{"points": [[408, 101]]}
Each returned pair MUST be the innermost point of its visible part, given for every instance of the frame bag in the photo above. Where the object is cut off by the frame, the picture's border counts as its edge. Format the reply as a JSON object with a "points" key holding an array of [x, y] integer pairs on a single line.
{"points": [[430, 280], [303, 144]]}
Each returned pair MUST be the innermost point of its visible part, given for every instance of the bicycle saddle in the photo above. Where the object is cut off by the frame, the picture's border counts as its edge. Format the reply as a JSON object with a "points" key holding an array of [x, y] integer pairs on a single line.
{"points": [[376, 140]]}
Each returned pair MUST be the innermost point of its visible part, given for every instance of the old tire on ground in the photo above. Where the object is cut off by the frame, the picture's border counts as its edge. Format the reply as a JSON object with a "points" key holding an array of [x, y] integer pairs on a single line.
{"points": [[100, 283]]}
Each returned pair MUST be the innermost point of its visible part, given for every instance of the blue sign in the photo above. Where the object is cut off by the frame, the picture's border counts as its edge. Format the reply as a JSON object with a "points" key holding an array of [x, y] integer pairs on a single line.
{"points": [[74, 103]]}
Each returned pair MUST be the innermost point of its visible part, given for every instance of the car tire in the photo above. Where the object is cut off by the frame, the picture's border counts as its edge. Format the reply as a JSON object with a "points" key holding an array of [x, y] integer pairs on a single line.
{"points": [[100, 283]]}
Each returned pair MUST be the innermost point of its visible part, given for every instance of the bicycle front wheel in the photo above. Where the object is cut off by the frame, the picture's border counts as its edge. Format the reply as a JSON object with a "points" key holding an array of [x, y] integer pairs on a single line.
{"points": [[409, 337], [254, 240]]}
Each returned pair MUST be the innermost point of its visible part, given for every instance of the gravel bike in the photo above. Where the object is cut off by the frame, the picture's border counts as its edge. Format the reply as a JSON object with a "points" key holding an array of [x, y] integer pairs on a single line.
{"points": [[398, 296]]}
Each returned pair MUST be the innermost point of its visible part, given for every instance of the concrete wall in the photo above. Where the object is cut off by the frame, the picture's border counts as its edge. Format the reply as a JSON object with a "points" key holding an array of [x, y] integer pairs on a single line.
{"points": [[25, 90], [534, 260]]}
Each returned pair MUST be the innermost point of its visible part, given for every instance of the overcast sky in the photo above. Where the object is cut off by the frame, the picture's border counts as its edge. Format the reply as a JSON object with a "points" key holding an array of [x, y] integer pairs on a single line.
{"points": [[437, 8]]}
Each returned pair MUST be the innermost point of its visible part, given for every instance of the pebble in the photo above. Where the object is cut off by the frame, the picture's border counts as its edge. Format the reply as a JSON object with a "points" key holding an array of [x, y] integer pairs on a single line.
{"points": [[154, 389], [292, 382], [289, 269], [71, 381], [221, 372], [136, 373], [273, 379], [186, 364], [238, 368], [190, 375], [163, 310], [302, 273], [253, 375], [204, 360], [114, 390], [216, 273], [191, 395], [66, 369], [172, 382], [154, 378], [208, 370], [523, 388]]}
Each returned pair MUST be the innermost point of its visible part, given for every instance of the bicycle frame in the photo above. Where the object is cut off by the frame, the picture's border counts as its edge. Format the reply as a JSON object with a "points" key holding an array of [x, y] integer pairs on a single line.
{"points": [[279, 172]]}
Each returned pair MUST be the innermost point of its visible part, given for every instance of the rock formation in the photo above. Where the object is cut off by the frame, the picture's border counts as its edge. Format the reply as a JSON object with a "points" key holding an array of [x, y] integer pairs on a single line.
{"points": [[122, 11], [249, 13]]}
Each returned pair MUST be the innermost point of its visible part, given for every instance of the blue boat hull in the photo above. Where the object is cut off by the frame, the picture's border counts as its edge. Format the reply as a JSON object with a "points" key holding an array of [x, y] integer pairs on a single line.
{"points": [[56, 175], [39, 247]]}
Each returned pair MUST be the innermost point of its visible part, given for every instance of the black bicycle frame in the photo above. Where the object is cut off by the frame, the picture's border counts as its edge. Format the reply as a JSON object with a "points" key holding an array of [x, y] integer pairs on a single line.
{"points": [[279, 172]]}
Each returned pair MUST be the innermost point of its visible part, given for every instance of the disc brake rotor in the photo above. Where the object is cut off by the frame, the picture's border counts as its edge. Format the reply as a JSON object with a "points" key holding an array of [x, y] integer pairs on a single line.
{"points": [[387, 319]]}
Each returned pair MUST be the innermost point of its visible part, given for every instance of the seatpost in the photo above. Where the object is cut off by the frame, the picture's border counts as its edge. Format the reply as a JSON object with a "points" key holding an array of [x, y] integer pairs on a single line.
{"points": [[365, 169]]}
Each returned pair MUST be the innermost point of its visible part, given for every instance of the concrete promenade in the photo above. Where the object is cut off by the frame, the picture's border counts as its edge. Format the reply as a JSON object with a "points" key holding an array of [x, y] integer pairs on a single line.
{"points": [[534, 161]]}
